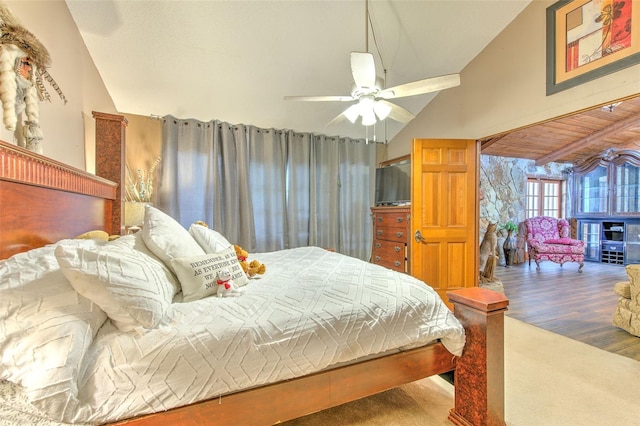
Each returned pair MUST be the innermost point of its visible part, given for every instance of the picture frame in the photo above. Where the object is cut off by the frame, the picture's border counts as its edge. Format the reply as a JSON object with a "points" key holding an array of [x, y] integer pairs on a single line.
{"points": [[587, 39]]}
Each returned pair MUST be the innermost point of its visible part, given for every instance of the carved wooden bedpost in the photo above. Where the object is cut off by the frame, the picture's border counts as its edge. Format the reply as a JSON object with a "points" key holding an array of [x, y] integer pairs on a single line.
{"points": [[479, 375], [110, 161]]}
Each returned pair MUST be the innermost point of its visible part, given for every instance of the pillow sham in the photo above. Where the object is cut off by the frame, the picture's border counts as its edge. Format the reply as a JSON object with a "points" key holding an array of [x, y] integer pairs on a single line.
{"points": [[46, 327], [133, 288], [166, 238], [210, 240], [198, 274]]}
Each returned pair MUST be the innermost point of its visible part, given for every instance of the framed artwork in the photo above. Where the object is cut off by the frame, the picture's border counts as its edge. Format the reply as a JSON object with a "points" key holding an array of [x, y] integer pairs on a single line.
{"points": [[587, 39]]}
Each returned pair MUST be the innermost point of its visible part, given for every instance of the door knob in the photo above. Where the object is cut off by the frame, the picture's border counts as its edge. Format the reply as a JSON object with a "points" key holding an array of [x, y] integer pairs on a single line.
{"points": [[419, 238]]}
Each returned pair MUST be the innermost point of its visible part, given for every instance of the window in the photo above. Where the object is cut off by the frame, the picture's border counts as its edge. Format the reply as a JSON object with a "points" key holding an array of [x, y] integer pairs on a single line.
{"points": [[544, 198]]}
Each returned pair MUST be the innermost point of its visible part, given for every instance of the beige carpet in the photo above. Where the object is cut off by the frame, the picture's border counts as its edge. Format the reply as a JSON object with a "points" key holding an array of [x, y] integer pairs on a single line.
{"points": [[549, 380]]}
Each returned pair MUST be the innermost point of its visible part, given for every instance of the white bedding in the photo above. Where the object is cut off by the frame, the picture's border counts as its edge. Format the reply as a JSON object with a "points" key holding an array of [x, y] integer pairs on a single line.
{"points": [[311, 310]]}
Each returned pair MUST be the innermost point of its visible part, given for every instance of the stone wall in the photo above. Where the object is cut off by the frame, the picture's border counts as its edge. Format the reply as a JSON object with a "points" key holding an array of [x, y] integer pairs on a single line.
{"points": [[503, 184]]}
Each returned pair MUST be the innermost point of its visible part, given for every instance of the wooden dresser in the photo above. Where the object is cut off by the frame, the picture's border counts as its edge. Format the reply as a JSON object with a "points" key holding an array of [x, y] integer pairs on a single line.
{"points": [[391, 233]]}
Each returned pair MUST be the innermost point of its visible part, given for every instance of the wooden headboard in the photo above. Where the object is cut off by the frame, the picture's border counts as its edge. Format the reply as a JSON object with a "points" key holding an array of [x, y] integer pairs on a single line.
{"points": [[43, 201]]}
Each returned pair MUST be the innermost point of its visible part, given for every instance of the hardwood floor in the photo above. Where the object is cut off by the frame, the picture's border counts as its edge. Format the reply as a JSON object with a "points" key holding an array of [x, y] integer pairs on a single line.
{"points": [[576, 305]]}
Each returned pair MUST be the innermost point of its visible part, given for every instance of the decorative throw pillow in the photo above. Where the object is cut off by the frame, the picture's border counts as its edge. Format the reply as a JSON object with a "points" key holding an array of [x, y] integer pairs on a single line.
{"points": [[134, 289], [198, 274], [166, 238], [210, 240]]}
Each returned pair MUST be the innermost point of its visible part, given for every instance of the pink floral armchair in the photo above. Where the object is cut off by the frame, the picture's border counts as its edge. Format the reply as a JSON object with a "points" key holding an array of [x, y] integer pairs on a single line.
{"points": [[548, 239]]}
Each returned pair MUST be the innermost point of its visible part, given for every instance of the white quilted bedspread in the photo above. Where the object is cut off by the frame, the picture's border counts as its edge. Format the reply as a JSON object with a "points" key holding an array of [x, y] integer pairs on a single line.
{"points": [[311, 310]]}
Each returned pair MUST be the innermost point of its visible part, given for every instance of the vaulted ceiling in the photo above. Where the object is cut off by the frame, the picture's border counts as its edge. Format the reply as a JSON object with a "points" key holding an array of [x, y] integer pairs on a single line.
{"points": [[235, 61]]}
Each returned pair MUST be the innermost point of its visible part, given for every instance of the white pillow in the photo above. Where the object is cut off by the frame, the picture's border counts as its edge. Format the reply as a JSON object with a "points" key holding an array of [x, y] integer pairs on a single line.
{"points": [[166, 238], [198, 274], [46, 328], [138, 244], [134, 289], [210, 240]]}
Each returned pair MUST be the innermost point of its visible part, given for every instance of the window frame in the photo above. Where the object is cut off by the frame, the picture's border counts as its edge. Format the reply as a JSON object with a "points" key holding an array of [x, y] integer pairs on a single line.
{"points": [[540, 197]]}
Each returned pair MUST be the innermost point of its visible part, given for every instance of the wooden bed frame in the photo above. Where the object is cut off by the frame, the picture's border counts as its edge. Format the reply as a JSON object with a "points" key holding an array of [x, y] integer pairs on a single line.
{"points": [[43, 201]]}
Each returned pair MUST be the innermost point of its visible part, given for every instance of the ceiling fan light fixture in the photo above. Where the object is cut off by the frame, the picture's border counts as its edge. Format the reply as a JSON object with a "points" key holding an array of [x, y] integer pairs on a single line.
{"points": [[366, 110], [382, 110], [366, 103], [368, 118], [352, 113]]}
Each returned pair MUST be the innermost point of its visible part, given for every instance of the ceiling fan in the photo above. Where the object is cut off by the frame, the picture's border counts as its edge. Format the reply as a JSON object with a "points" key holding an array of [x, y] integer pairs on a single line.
{"points": [[369, 95], [372, 99]]}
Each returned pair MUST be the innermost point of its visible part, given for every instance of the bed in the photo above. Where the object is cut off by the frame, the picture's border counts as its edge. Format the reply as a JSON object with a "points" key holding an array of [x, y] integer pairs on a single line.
{"points": [[44, 203]]}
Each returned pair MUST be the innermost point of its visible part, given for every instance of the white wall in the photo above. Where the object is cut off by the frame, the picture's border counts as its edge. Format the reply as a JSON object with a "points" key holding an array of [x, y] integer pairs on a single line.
{"points": [[69, 130], [504, 88]]}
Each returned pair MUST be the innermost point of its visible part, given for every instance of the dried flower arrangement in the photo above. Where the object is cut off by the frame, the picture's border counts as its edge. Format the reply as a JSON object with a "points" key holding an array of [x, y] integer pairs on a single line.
{"points": [[140, 185]]}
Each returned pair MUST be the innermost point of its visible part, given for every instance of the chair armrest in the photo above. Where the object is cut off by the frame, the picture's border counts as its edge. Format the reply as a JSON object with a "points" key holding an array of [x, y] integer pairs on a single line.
{"points": [[533, 243]]}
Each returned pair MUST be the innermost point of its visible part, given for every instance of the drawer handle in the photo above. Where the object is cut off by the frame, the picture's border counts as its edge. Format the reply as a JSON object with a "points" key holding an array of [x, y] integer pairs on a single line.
{"points": [[397, 249], [379, 218], [378, 245], [399, 234], [397, 263], [400, 220], [379, 232], [377, 258]]}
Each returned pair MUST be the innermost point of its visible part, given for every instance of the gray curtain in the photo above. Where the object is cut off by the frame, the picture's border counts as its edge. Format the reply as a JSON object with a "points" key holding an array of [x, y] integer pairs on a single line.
{"points": [[267, 189]]}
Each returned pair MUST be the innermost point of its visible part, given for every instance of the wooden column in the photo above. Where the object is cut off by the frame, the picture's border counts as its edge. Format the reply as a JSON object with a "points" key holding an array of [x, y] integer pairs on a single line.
{"points": [[110, 161], [479, 374]]}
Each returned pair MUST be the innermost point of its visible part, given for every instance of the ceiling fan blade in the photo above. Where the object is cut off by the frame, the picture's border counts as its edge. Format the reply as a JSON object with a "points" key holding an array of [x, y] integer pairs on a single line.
{"points": [[420, 87], [398, 113], [363, 69], [339, 119], [320, 98]]}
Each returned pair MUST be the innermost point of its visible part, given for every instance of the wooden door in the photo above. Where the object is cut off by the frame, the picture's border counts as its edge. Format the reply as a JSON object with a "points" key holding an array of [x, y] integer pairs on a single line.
{"points": [[445, 210]]}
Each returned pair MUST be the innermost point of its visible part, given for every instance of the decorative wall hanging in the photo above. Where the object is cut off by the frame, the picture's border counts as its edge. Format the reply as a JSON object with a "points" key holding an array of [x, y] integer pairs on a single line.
{"points": [[23, 70], [587, 39]]}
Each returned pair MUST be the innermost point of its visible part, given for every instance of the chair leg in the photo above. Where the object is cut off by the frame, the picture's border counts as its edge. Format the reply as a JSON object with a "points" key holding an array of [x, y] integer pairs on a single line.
{"points": [[537, 265], [580, 267]]}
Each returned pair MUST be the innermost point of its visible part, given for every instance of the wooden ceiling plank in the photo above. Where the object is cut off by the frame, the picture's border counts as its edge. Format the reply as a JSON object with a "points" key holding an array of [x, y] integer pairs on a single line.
{"points": [[486, 144], [581, 125], [591, 139]]}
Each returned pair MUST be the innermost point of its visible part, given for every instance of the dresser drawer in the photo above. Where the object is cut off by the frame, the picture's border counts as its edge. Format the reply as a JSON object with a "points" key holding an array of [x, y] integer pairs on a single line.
{"points": [[390, 234], [391, 219], [387, 250], [395, 265]]}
